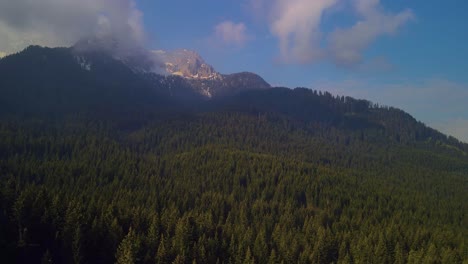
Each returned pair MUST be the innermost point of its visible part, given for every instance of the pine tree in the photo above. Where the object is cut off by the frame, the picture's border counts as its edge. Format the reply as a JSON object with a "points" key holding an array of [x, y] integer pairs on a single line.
{"points": [[400, 257], [273, 259], [248, 259], [431, 255], [179, 260], [162, 254], [76, 246], [128, 248], [381, 251]]}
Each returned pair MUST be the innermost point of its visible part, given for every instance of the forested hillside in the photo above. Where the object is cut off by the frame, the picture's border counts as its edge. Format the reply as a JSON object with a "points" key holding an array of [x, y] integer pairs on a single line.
{"points": [[267, 176]]}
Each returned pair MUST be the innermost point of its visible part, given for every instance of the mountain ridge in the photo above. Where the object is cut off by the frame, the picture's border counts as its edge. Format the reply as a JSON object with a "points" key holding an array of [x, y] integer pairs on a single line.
{"points": [[203, 77], [188, 64], [103, 162], [93, 76]]}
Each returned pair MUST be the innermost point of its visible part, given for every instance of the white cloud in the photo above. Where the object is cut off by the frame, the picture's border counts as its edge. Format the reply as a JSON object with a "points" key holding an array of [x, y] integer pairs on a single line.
{"points": [[298, 26], [231, 34], [347, 45], [2, 54], [63, 22]]}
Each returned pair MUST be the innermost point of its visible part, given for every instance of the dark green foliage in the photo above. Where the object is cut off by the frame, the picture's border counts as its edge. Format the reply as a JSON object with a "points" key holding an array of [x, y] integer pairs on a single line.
{"points": [[228, 187], [274, 176]]}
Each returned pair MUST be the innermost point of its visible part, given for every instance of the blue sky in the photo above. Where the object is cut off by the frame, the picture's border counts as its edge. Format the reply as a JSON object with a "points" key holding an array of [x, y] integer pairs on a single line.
{"points": [[420, 66], [408, 54]]}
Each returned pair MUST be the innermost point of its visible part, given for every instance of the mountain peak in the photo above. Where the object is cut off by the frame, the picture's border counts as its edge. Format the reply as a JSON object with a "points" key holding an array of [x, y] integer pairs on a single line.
{"points": [[204, 79], [186, 63]]}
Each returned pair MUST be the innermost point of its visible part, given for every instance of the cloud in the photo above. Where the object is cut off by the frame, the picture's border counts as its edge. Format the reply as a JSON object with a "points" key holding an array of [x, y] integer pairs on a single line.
{"points": [[346, 45], [2, 54], [298, 26], [64, 22], [231, 34], [440, 103]]}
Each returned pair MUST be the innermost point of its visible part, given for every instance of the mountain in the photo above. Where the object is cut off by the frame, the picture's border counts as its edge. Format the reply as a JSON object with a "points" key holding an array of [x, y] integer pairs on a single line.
{"points": [[61, 80], [92, 80], [95, 72], [104, 161], [136, 58], [187, 64], [203, 77], [54, 80]]}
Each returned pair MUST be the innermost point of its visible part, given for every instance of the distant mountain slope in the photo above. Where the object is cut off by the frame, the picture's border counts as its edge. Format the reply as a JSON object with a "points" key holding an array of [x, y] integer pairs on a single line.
{"points": [[102, 161], [375, 123], [64, 80], [84, 76], [50, 80]]}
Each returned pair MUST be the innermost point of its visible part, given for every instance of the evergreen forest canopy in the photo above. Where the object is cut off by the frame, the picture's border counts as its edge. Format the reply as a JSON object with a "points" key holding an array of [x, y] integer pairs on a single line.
{"points": [[105, 166]]}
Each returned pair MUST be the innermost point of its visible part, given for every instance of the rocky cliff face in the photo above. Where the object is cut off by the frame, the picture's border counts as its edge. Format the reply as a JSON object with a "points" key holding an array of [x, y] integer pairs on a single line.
{"points": [[204, 79], [187, 64], [167, 66]]}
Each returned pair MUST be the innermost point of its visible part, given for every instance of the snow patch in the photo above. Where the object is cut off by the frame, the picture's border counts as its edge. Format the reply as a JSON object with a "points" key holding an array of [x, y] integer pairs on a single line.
{"points": [[85, 65], [206, 92]]}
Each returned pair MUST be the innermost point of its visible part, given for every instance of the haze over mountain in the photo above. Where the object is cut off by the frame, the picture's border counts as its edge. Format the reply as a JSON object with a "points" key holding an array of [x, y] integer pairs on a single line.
{"points": [[99, 71], [151, 69], [347, 46], [102, 160], [119, 148], [100, 74]]}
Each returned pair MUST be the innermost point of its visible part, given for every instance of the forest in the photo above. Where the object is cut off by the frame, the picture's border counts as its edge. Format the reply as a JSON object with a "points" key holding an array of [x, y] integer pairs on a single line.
{"points": [[265, 176]]}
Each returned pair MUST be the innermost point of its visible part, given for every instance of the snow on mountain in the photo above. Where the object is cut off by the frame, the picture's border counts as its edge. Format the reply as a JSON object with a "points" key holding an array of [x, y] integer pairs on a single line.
{"points": [[186, 63], [204, 79], [84, 63]]}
